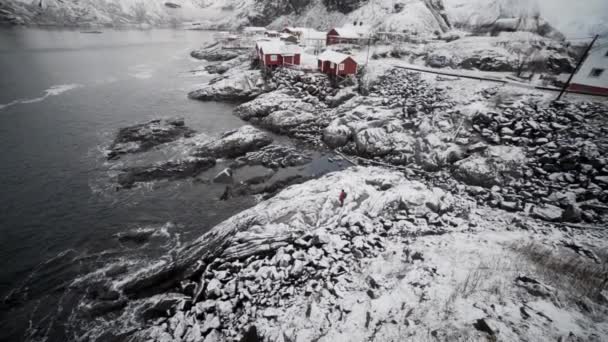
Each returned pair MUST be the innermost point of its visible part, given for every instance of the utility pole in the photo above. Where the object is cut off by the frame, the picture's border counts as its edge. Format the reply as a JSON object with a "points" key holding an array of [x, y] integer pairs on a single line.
{"points": [[578, 65], [369, 38]]}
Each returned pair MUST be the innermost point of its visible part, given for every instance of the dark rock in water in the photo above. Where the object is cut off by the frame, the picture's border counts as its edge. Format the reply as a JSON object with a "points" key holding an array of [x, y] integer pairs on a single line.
{"points": [[214, 54], [235, 143], [172, 5], [217, 68], [281, 184], [170, 170], [136, 235], [142, 137]]}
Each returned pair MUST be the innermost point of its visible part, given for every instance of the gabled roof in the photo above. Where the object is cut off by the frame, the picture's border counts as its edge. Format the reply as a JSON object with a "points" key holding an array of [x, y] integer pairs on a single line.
{"points": [[352, 31], [278, 47], [333, 56]]}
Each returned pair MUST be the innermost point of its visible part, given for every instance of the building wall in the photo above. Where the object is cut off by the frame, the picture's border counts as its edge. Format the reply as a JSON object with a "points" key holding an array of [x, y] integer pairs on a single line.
{"points": [[350, 67], [295, 59], [588, 89], [597, 59]]}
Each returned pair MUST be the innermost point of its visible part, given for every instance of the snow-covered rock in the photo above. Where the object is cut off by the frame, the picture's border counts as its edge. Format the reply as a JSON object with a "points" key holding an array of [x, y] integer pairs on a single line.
{"points": [[493, 167], [142, 137], [236, 143]]}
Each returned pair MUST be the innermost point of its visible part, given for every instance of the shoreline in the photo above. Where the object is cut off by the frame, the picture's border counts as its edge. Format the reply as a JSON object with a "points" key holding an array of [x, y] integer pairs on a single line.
{"points": [[298, 267]]}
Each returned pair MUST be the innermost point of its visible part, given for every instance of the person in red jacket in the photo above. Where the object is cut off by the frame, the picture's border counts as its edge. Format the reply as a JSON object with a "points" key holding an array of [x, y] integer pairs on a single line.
{"points": [[342, 197]]}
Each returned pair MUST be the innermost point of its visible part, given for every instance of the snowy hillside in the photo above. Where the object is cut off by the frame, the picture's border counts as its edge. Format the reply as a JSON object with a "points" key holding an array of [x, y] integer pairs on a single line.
{"points": [[108, 12], [420, 16]]}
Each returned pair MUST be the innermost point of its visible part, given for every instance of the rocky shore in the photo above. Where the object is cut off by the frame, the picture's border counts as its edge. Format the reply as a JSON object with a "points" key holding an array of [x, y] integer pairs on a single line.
{"points": [[483, 219]]}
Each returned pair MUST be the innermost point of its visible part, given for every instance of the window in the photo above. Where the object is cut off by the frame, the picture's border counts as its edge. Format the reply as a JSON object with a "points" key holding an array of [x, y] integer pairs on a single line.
{"points": [[596, 72], [341, 66], [332, 65], [273, 58]]}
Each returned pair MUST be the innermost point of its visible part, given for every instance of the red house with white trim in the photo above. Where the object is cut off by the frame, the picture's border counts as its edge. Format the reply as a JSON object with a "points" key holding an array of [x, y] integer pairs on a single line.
{"points": [[335, 63], [347, 35], [276, 53]]}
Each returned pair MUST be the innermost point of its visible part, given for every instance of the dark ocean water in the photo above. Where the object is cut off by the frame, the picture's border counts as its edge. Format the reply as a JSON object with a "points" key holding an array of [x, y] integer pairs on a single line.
{"points": [[63, 96]]}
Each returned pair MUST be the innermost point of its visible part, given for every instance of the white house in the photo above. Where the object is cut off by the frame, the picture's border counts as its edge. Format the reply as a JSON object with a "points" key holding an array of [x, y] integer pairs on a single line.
{"points": [[592, 76]]}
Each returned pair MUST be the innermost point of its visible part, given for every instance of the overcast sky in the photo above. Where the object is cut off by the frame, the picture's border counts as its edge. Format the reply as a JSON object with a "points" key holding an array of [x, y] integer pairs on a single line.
{"points": [[576, 17]]}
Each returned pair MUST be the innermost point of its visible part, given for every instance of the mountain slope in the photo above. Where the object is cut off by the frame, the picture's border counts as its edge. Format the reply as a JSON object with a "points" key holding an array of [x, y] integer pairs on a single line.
{"points": [[420, 16], [104, 12]]}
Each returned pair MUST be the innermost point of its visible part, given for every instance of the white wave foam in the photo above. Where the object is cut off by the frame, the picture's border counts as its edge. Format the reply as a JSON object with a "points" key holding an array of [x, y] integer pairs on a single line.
{"points": [[52, 91]]}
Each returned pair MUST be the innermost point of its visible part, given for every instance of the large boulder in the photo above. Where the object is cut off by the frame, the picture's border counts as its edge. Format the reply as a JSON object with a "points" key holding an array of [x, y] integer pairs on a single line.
{"points": [[265, 104], [337, 134], [236, 85], [142, 137], [492, 167], [282, 121], [373, 142], [547, 212], [235, 143]]}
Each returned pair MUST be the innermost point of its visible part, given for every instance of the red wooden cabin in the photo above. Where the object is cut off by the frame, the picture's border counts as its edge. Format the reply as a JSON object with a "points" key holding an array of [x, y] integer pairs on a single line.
{"points": [[346, 35], [276, 53], [335, 63]]}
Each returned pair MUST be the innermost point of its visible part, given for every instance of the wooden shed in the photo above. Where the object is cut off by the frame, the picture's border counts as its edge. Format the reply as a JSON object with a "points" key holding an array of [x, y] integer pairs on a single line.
{"points": [[336, 63], [347, 35], [276, 53]]}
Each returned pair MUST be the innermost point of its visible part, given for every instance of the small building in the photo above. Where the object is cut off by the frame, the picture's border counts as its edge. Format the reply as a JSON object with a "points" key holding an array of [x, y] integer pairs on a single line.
{"points": [[347, 35], [271, 33], [592, 76], [253, 30], [286, 37], [275, 53], [336, 63], [295, 31]]}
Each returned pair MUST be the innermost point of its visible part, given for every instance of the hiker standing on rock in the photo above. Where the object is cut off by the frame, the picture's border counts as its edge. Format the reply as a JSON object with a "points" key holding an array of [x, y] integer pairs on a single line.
{"points": [[342, 197]]}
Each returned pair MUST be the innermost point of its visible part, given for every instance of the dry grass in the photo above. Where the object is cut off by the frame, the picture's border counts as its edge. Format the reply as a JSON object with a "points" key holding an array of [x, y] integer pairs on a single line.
{"points": [[577, 275]]}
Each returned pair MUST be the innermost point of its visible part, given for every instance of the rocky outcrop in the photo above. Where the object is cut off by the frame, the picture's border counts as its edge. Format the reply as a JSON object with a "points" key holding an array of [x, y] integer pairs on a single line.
{"points": [[238, 86], [216, 53], [142, 137], [235, 143], [171, 170], [274, 253], [495, 166], [274, 157]]}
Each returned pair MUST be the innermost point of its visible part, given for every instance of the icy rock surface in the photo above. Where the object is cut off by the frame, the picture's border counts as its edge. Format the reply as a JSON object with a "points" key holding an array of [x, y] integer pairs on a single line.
{"points": [[235, 143], [142, 137], [292, 264]]}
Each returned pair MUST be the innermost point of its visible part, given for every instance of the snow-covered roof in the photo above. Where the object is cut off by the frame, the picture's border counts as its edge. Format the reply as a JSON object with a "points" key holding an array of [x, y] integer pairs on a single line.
{"points": [[278, 47], [297, 29], [306, 32], [352, 31], [314, 34], [333, 56], [254, 29]]}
